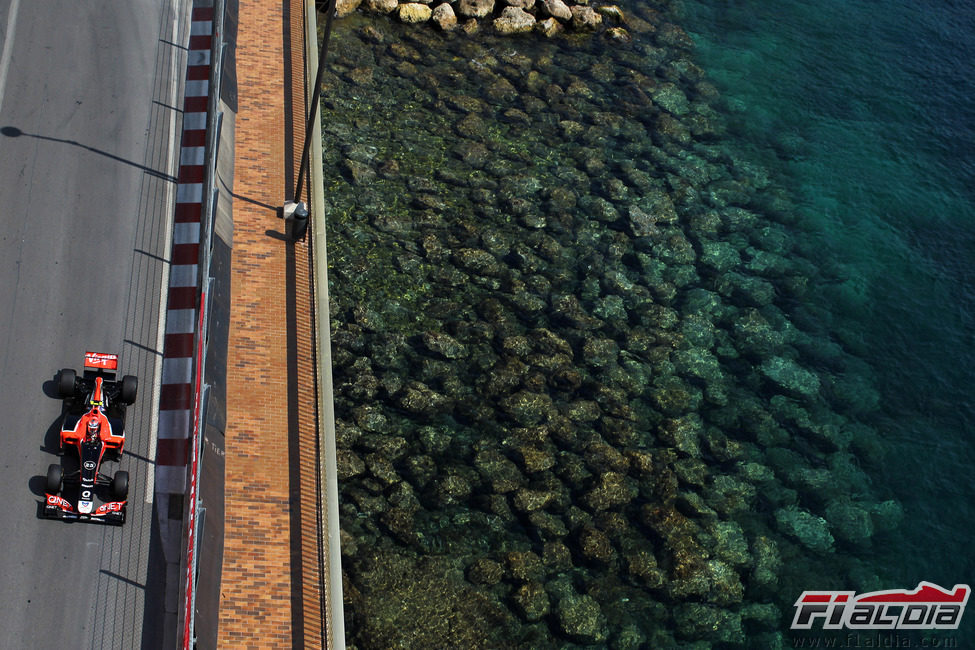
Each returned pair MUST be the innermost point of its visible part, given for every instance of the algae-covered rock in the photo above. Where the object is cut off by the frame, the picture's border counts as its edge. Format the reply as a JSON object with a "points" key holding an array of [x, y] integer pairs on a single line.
{"points": [[595, 545], [612, 489], [730, 544], [641, 565], [683, 433], [423, 603], [417, 397], [527, 407], [600, 352], [531, 601], [790, 376], [485, 572], [580, 619], [719, 256], [849, 520], [808, 529], [526, 500], [729, 495], [698, 363], [348, 464], [523, 565], [499, 471], [444, 345], [452, 488], [709, 622], [887, 515]]}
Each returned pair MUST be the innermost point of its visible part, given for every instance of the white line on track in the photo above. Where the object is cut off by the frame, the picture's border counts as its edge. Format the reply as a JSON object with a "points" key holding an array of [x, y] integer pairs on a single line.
{"points": [[8, 45]]}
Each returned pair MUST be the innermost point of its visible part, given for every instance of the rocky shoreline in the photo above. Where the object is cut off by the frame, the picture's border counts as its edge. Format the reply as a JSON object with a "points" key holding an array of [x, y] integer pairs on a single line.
{"points": [[547, 17], [584, 396]]}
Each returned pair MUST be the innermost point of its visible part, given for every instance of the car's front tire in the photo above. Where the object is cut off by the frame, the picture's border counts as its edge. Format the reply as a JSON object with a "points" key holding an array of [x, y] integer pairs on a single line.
{"points": [[120, 485], [54, 477], [66, 383]]}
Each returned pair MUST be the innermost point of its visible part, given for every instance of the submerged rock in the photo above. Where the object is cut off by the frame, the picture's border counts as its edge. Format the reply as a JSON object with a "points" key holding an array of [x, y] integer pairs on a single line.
{"points": [[811, 531], [584, 17], [580, 618], [531, 601], [790, 376]]}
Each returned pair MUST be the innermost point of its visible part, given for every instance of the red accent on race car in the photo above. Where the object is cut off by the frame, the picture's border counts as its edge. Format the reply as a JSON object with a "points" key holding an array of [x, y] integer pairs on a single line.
{"points": [[101, 361], [114, 506], [96, 395], [55, 500]]}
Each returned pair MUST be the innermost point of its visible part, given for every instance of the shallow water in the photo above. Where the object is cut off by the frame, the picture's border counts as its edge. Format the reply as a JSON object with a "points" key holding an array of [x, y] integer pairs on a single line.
{"points": [[633, 343]]}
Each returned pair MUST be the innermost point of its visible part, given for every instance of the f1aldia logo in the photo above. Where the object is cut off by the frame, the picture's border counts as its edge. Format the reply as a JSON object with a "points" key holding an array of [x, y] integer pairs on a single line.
{"points": [[929, 607]]}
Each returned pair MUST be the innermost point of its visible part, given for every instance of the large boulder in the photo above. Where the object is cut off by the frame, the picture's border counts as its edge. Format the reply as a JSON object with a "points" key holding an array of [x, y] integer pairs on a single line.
{"points": [[444, 17], [557, 9], [514, 20], [414, 12], [475, 8], [346, 7], [380, 6], [585, 17]]}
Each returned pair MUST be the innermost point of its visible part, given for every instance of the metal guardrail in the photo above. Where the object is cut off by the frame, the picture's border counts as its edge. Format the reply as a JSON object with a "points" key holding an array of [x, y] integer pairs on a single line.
{"points": [[329, 534]]}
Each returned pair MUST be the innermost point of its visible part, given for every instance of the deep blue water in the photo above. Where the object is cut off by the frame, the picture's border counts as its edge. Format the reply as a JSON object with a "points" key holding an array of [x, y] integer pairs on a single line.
{"points": [[868, 109]]}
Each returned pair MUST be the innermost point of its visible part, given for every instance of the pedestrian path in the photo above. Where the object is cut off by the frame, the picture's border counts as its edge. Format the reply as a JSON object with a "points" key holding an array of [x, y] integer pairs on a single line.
{"points": [[271, 592]]}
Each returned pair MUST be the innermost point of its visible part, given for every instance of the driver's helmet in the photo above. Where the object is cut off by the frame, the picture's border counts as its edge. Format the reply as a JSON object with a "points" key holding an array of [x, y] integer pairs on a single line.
{"points": [[93, 427]]}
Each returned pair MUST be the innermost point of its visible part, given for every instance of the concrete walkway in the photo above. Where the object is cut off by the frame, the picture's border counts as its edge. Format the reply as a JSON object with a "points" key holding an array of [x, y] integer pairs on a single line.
{"points": [[271, 593]]}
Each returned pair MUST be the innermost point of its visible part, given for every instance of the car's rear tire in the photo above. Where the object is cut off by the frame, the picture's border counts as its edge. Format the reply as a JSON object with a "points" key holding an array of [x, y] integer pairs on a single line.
{"points": [[66, 383], [130, 388], [120, 485], [54, 477]]}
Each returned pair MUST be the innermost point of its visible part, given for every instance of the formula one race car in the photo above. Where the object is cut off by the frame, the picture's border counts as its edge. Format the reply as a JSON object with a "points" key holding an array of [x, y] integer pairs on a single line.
{"points": [[94, 428]]}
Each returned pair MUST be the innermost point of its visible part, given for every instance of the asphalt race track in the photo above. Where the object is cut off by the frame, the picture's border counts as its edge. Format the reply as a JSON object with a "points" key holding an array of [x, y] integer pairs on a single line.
{"points": [[89, 92]]}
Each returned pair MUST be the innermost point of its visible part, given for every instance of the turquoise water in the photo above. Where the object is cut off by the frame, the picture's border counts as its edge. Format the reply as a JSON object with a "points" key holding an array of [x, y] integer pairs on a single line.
{"points": [[869, 111], [634, 342]]}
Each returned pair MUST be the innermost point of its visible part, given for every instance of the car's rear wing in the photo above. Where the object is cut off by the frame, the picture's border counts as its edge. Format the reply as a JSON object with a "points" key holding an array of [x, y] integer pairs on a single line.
{"points": [[101, 361]]}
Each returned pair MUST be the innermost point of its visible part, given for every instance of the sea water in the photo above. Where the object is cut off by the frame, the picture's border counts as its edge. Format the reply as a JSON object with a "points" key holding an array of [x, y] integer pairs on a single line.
{"points": [[481, 194], [868, 108]]}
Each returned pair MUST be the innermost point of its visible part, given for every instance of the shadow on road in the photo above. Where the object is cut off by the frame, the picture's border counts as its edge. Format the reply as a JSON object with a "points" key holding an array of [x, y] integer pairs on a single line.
{"points": [[14, 132]]}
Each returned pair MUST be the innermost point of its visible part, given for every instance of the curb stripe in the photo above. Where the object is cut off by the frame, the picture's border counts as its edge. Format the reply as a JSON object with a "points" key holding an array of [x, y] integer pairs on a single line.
{"points": [[175, 397], [179, 345], [182, 310], [190, 173], [171, 451], [182, 297]]}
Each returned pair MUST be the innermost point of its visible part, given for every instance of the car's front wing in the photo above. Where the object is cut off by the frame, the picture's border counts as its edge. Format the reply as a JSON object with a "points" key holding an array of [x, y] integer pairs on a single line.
{"points": [[56, 507]]}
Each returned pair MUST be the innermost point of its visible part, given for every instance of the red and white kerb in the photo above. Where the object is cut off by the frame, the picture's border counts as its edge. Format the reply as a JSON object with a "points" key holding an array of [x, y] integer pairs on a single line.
{"points": [[182, 311]]}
